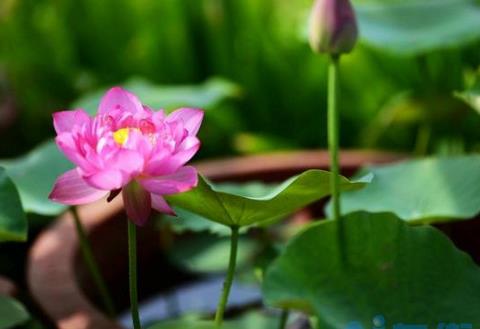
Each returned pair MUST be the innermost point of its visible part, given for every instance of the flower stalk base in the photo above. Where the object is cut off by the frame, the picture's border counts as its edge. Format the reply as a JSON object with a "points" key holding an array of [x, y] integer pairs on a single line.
{"points": [[227, 285]]}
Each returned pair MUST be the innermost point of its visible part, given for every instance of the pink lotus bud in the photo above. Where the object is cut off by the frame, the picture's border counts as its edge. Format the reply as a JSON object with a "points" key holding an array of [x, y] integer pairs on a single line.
{"points": [[333, 27]]}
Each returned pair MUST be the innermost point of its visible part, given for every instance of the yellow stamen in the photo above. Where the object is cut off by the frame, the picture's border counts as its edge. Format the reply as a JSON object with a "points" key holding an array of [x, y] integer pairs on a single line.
{"points": [[121, 135]]}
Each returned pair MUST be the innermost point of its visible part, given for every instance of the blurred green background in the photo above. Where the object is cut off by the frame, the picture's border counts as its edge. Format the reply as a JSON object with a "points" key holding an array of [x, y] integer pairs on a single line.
{"points": [[398, 85]]}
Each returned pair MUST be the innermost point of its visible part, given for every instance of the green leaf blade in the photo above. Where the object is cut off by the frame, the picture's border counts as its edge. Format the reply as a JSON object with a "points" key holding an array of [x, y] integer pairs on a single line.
{"points": [[13, 222], [379, 265], [206, 253], [414, 27], [243, 210], [206, 95], [429, 190], [34, 175], [12, 313]]}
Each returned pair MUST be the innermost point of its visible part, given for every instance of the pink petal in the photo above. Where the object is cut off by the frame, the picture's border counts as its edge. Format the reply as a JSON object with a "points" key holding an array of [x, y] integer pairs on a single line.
{"points": [[158, 116], [64, 121], [164, 164], [130, 162], [155, 166], [184, 153], [182, 180], [160, 205], [67, 145], [178, 132], [108, 179], [148, 109], [71, 189], [137, 202], [138, 142], [119, 99], [191, 118], [189, 144]]}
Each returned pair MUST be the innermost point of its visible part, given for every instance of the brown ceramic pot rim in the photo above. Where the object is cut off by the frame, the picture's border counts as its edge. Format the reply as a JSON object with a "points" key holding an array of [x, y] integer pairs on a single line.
{"points": [[51, 271]]}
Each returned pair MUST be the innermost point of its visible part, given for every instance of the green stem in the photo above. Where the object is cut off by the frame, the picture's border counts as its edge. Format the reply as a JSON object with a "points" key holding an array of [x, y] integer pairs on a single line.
{"points": [[283, 319], [132, 265], [222, 303], [91, 263], [333, 134], [422, 140]]}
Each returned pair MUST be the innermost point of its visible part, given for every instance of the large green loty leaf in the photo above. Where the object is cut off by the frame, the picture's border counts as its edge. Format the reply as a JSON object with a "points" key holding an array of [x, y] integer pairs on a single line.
{"points": [[205, 95], [421, 191], [377, 265], [13, 222], [260, 205], [188, 221], [34, 175], [413, 27], [12, 313]]}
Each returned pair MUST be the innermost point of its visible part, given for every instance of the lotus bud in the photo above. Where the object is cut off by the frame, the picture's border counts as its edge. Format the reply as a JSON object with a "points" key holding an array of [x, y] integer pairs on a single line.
{"points": [[333, 27]]}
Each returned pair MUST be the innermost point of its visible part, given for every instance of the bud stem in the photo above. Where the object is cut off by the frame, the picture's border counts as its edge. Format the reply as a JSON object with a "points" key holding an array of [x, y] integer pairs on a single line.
{"points": [[333, 133]]}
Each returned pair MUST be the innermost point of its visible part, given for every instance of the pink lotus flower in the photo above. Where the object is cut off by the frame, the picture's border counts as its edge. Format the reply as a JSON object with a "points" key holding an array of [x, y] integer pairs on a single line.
{"points": [[130, 148]]}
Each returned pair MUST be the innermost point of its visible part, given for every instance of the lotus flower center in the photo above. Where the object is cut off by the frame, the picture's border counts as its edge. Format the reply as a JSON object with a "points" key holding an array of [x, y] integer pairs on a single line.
{"points": [[121, 135], [147, 129]]}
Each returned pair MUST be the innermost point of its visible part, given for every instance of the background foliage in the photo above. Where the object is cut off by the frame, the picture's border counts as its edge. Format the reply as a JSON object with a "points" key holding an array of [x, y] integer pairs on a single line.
{"points": [[398, 94]]}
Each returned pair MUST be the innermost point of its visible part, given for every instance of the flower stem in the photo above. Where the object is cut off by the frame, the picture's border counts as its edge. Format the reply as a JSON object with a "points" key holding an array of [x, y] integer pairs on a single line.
{"points": [[132, 264], [333, 134], [222, 303], [283, 319], [422, 140], [91, 263]]}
